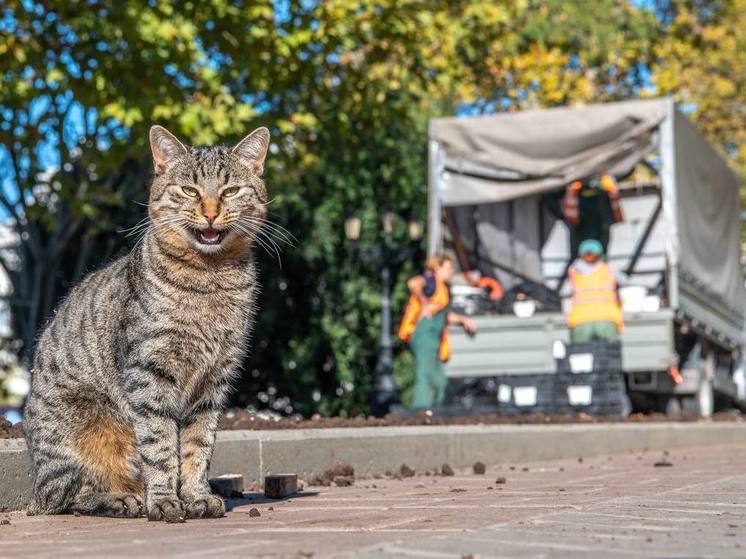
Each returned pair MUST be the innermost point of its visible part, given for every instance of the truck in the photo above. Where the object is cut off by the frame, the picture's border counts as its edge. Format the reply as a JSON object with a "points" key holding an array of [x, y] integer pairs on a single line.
{"points": [[495, 189]]}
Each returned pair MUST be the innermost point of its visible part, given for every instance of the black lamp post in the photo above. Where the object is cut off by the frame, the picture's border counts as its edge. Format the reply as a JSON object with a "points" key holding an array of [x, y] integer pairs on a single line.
{"points": [[386, 256]]}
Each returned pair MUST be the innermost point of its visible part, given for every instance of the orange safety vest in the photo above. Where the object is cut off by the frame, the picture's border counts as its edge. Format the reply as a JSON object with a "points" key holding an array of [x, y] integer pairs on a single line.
{"points": [[594, 297], [412, 314]]}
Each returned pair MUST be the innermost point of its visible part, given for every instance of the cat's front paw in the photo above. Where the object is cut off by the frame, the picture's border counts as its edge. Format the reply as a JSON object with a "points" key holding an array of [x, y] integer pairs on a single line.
{"points": [[206, 506], [169, 509]]}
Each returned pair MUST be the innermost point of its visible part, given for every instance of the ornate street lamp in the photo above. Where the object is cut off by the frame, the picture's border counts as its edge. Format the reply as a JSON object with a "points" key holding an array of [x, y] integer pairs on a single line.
{"points": [[386, 256]]}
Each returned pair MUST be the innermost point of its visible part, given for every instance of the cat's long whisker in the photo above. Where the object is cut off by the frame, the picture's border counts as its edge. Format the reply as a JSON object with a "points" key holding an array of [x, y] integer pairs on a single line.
{"points": [[261, 238], [275, 229], [144, 222]]}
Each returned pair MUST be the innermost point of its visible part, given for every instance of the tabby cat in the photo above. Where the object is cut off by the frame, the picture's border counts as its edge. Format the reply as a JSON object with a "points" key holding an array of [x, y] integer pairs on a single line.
{"points": [[132, 373]]}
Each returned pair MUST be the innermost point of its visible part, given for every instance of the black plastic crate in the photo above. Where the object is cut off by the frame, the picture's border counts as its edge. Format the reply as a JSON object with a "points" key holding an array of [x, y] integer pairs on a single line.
{"points": [[526, 394], [607, 357], [601, 393]]}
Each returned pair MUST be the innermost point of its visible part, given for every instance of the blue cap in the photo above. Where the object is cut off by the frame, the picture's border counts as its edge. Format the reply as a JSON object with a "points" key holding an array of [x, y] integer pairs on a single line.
{"points": [[591, 245]]}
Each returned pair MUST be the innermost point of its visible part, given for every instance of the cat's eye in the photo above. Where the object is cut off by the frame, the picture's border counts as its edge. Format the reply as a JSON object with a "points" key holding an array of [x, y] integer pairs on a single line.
{"points": [[228, 192], [190, 191]]}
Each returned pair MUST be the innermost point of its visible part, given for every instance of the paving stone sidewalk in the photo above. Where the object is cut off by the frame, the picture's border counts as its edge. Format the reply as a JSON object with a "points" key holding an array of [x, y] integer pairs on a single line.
{"points": [[611, 506]]}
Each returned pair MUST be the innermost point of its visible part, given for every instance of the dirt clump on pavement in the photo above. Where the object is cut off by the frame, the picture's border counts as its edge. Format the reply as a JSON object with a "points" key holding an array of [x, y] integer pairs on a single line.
{"points": [[479, 468], [446, 470], [501, 480], [406, 471], [663, 464], [254, 512], [10, 431], [344, 481], [341, 475]]}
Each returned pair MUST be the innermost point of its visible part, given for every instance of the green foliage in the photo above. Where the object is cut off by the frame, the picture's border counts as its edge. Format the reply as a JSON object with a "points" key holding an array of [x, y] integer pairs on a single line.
{"points": [[347, 89]]}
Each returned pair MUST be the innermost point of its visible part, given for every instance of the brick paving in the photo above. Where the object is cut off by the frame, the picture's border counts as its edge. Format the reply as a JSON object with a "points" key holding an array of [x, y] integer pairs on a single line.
{"points": [[610, 506]]}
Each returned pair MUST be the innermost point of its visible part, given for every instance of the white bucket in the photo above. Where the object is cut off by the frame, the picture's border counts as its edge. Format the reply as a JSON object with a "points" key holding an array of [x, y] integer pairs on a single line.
{"points": [[632, 297]]}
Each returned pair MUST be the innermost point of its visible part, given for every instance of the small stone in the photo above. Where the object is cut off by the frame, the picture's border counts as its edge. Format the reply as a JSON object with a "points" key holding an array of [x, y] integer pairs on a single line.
{"points": [[663, 464], [406, 471], [458, 490], [500, 480], [76, 513], [344, 481], [254, 513], [446, 470], [4, 522], [174, 516], [271, 508], [524, 469], [479, 468]]}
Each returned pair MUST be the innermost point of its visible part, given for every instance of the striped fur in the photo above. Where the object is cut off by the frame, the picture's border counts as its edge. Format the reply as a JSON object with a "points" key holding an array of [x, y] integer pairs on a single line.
{"points": [[133, 371]]}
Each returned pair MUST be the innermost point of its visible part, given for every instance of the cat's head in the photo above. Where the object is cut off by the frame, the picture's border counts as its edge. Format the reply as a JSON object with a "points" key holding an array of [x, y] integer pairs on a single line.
{"points": [[208, 199]]}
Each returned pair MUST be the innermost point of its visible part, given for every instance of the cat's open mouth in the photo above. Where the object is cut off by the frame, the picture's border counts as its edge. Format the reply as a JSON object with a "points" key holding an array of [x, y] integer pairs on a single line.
{"points": [[209, 236]]}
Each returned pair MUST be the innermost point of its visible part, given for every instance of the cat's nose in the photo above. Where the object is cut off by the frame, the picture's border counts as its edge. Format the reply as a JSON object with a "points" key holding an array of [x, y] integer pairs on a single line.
{"points": [[210, 216]]}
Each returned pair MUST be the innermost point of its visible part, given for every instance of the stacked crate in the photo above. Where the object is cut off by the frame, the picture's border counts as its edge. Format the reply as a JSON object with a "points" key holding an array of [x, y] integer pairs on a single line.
{"points": [[525, 394], [590, 379]]}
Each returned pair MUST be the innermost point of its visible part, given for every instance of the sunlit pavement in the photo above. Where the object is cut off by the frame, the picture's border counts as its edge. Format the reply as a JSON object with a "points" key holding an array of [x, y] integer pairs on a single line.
{"points": [[610, 506]]}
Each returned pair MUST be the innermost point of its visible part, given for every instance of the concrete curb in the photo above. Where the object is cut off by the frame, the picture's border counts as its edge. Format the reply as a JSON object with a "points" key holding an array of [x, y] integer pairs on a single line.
{"points": [[374, 450]]}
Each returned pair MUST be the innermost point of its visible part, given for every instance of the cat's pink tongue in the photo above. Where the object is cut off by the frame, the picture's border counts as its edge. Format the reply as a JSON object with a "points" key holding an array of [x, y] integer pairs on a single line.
{"points": [[210, 234]]}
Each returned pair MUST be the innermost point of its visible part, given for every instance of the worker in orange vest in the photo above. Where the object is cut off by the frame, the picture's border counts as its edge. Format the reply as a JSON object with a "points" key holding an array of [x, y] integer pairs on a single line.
{"points": [[423, 327], [596, 313]]}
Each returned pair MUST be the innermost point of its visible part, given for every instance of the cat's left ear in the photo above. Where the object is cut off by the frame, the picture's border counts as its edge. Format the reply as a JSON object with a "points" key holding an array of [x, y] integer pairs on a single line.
{"points": [[253, 149]]}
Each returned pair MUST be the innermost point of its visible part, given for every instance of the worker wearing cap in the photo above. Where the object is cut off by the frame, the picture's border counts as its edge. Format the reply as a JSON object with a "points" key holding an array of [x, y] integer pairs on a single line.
{"points": [[596, 313]]}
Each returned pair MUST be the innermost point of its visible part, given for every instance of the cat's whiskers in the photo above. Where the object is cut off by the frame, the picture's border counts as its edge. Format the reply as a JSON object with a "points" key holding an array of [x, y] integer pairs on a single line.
{"points": [[261, 238], [279, 231]]}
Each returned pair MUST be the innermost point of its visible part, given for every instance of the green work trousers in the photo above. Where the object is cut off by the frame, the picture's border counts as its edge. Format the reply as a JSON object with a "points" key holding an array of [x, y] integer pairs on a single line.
{"points": [[604, 331], [430, 379]]}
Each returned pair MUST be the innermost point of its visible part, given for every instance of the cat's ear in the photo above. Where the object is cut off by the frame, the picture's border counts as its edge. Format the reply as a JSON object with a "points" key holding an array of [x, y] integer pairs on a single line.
{"points": [[166, 148], [253, 149]]}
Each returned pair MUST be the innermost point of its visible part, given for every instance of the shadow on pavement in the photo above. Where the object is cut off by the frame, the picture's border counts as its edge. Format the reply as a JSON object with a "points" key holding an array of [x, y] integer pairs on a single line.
{"points": [[256, 498]]}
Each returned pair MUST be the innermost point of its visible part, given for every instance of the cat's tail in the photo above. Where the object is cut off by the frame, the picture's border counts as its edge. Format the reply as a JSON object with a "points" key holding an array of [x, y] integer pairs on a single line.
{"points": [[57, 480]]}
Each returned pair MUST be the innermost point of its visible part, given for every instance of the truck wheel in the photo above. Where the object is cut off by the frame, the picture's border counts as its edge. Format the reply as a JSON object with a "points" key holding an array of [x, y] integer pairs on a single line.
{"points": [[703, 402]]}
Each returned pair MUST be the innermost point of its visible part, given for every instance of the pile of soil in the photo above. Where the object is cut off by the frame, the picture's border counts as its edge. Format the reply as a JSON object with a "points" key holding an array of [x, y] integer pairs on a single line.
{"points": [[10, 431], [242, 419]]}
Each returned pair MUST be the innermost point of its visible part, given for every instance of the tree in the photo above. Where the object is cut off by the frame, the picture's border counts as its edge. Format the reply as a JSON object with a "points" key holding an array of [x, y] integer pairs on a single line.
{"points": [[701, 61], [347, 88], [81, 82]]}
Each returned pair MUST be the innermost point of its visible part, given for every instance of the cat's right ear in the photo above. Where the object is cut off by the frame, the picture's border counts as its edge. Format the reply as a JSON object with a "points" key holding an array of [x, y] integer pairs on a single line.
{"points": [[165, 147]]}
